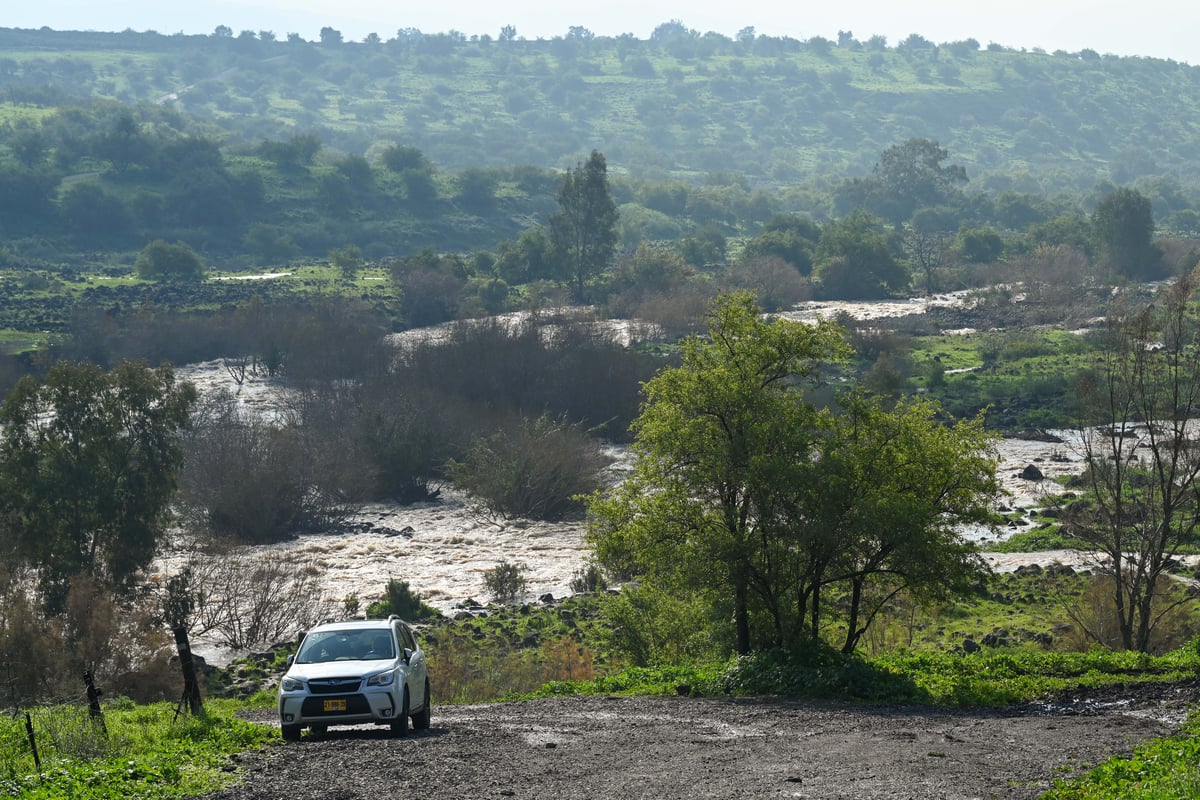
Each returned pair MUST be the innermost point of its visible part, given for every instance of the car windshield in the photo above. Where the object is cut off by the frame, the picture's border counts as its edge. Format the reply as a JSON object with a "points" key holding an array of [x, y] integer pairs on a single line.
{"points": [[346, 645]]}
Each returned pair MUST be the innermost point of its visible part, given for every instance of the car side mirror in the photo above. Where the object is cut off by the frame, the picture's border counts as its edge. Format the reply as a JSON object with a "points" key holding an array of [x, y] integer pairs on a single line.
{"points": [[407, 655], [291, 660]]}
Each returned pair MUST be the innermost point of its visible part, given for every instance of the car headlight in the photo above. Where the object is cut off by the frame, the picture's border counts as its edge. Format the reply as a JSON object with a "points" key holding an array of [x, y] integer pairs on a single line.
{"points": [[291, 684], [382, 679]]}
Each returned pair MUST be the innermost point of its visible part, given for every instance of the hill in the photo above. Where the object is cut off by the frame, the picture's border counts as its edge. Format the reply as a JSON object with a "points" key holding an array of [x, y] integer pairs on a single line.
{"points": [[776, 110]]}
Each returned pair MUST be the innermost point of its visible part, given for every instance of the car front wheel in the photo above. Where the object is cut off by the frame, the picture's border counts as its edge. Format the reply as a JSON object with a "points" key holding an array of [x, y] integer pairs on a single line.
{"points": [[420, 720], [291, 733], [400, 723]]}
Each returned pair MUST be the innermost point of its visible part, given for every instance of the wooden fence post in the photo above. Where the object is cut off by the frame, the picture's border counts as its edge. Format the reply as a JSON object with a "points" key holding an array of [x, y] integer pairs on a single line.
{"points": [[37, 762], [93, 696], [191, 686]]}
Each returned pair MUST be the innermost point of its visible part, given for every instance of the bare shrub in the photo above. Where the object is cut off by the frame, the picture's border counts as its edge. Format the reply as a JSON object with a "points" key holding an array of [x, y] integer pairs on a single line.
{"points": [[246, 479], [545, 364], [534, 470], [120, 640], [29, 644], [404, 433], [460, 671], [677, 314], [775, 283], [1097, 622], [243, 601]]}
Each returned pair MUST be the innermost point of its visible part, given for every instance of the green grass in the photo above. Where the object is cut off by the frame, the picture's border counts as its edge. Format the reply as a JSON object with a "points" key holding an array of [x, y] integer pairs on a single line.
{"points": [[147, 754], [1164, 769], [1023, 674], [939, 678]]}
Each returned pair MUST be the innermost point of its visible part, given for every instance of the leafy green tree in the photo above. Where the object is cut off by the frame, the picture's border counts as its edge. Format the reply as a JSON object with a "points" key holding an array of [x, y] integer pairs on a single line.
{"points": [[477, 190], [1123, 223], [907, 177], [29, 146], [124, 143], [893, 488], [855, 259], [789, 237], [88, 465], [979, 245], [348, 260], [718, 440], [294, 154], [656, 268], [584, 229], [419, 187], [744, 493], [27, 195], [705, 247], [92, 213], [269, 244], [399, 158], [530, 258], [1068, 229], [161, 260], [357, 170], [213, 198]]}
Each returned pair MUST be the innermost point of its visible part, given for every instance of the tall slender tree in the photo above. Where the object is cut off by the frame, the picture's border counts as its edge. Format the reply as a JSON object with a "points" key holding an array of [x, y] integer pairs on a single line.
{"points": [[584, 229]]}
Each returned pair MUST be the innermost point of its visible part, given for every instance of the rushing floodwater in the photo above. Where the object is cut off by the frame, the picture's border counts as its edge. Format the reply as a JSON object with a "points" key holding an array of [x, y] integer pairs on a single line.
{"points": [[442, 549]]}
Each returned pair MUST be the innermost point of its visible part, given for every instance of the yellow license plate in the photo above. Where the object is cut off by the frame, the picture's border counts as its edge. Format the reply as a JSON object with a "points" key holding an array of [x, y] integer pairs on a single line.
{"points": [[335, 705]]}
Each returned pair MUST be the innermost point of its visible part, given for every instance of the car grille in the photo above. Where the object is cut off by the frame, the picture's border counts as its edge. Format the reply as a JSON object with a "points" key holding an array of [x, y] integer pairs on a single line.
{"points": [[315, 706], [333, 685]]}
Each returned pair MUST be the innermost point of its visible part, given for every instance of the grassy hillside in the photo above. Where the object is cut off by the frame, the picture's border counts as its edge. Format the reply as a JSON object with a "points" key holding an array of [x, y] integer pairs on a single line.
{"points": [[775, 110]]}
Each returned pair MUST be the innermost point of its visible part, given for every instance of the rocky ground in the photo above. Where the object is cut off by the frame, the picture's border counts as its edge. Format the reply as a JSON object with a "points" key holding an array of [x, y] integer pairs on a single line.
{"points": [[680, 747]]}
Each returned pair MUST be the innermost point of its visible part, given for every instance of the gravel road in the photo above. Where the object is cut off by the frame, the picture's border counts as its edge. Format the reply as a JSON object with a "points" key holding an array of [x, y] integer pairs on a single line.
{"points": [[678, 747]]}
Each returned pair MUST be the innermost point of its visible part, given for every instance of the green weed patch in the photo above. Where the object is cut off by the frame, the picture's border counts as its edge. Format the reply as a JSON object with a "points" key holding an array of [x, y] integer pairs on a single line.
{"points": [[144, 753]]}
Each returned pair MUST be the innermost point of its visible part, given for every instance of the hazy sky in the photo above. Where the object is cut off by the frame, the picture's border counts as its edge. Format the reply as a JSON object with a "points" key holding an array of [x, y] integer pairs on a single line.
{"points": [[1156, 28]]}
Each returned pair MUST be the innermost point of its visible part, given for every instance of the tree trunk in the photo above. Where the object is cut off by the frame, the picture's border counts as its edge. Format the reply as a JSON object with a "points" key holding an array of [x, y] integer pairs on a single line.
{"points": [[852, 632], [741, 615], [191, 686]]}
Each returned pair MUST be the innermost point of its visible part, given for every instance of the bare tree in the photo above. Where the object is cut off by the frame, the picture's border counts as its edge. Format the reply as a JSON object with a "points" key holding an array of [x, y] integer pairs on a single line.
{"points": [[246, 600], [247, 479], [927, 252], [1143, 459]]}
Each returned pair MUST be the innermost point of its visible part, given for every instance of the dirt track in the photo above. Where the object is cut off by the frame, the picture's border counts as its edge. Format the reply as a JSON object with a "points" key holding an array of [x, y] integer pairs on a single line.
{"points": [[661, 747]]}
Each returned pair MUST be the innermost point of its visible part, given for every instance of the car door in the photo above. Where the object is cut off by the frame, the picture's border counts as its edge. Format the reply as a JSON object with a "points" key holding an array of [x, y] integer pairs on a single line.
{"points": [[417, 672]]}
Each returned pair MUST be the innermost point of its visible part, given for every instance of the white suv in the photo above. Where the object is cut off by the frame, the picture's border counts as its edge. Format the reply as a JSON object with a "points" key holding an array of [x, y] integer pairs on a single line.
{"points": [[346, 673]]}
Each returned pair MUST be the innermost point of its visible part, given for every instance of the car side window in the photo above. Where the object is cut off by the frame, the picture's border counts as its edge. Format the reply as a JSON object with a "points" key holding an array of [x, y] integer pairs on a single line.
{"points": [[404, 635]]}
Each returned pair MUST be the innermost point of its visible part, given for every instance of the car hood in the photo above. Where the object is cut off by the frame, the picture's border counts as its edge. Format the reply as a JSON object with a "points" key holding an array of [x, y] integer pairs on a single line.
{"points": [[339, 669]]}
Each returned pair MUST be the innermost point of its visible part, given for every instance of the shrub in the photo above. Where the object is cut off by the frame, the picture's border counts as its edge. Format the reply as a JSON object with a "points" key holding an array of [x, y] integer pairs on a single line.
{"points": [[403, 602], [246, 601], [588, 578], [167, 261], [535, 470], [249, 481], [506, 582]]}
